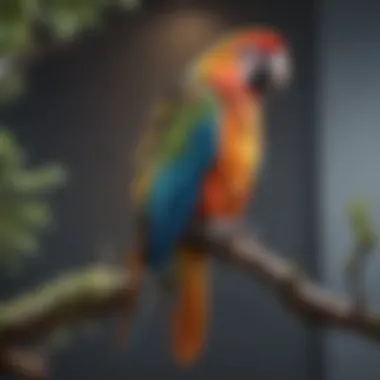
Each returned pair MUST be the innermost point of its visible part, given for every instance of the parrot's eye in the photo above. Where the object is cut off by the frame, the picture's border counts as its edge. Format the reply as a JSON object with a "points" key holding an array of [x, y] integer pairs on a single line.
{"points": [[260, 78], [255, 70]]}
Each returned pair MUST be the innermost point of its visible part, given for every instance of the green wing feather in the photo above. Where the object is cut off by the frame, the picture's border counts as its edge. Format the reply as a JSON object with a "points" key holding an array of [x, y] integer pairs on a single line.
{"points": [[167, 136]]}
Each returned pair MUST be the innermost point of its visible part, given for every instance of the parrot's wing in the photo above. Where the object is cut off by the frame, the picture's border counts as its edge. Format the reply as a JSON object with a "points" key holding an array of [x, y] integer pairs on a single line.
{"points": [[185, 151], [149, 149], [181, 135], [178, 157]]}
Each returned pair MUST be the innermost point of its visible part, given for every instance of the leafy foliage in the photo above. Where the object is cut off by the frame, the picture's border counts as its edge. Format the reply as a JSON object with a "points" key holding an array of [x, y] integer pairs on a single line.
{"points": [[62, 20], [24, 207], [361, 223]]}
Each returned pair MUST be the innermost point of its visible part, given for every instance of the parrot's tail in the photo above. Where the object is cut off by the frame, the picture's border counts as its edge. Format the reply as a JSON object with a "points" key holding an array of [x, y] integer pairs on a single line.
{"points": [[135, 266], [191, 314]]}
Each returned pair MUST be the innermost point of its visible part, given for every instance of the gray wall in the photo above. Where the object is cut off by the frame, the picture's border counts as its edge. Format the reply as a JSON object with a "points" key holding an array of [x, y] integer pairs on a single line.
{"points": [[349, 159]]}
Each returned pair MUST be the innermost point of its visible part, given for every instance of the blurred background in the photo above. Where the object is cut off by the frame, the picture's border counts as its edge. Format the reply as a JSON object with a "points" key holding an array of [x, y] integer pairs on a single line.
{"points": [[85, 105]]}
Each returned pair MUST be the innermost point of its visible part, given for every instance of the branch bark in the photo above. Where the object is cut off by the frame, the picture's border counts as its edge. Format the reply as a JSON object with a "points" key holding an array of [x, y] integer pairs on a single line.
{"points": [[297, 291], [101, 290], [92, 292], [24, 364]]}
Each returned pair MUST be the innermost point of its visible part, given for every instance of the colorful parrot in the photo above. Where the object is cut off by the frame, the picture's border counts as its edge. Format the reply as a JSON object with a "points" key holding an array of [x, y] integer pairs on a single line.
{"points": [[200, 166]]}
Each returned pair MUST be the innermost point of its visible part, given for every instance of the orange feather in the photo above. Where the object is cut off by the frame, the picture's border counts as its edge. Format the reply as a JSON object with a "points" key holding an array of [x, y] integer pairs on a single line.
{"points": [[191, 314], [228, 188]]}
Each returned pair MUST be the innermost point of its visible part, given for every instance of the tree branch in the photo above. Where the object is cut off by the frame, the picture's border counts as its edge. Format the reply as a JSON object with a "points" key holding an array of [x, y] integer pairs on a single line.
{"points": [[298, 292], [100, 290], [92, 292], [23, 363]]}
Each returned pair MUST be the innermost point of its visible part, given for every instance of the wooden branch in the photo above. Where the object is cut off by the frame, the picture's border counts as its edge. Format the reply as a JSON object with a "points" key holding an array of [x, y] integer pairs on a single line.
{"points": [[101, 290], [24, 364], [92, 292], [298, 292]]}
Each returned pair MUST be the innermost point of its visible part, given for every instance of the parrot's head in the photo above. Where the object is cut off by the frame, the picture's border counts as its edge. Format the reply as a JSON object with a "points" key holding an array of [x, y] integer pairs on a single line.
{"points": [[253, 59]]}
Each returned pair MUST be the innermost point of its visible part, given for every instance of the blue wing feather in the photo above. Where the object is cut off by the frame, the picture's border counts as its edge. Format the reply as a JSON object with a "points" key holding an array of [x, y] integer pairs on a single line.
{"points": [[176, 190]]}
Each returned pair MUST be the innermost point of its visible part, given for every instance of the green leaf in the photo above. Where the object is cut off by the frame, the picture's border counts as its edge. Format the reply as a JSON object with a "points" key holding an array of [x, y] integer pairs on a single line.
{"points": [[24, 210], [66, 19], [15, 27], [361, 223], [12, 86], [12, 156], [15, 239], [31, 9], [31, 214], [38, 181]]}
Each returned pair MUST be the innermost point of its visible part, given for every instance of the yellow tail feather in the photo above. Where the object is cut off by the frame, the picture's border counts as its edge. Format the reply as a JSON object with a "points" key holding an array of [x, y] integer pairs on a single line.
{"points": [[191, 314]]}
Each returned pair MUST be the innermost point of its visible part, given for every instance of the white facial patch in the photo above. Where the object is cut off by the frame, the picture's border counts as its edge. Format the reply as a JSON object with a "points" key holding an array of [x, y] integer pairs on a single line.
{"points": [[281, 68]]}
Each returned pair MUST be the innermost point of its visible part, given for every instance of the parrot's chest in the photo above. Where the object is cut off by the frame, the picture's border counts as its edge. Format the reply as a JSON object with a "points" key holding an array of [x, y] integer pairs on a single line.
{"points": [[238, 144], [228, 187], [240, 147]]}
